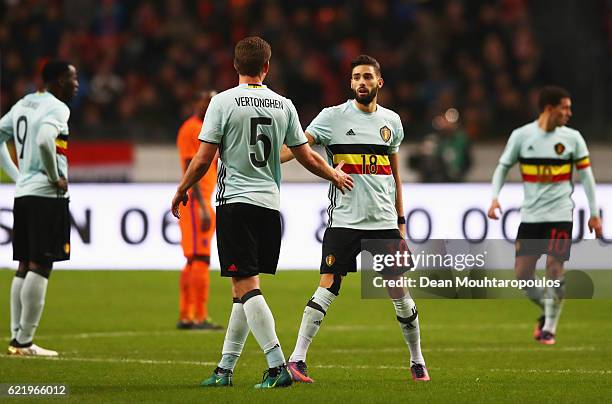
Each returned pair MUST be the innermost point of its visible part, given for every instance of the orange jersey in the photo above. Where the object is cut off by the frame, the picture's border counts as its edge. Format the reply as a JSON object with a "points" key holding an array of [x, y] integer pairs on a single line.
{"points": [[195, 240], [188, 145]]}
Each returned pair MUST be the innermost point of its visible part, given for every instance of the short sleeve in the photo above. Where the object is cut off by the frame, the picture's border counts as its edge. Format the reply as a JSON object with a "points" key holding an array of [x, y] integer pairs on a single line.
{"points": [[581, 157], [58, 118], [398, 136], [581, 148], [511, 153], [295, 135], [320, 128], [212, 129], [6, 126]]}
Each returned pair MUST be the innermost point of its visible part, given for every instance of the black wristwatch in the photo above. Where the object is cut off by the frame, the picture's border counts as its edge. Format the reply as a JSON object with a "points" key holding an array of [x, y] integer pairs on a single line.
{"points": [[401, 220]]}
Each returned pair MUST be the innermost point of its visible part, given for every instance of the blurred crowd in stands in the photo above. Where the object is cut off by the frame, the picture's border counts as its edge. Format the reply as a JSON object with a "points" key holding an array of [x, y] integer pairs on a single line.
{"points": [[141, 62]]}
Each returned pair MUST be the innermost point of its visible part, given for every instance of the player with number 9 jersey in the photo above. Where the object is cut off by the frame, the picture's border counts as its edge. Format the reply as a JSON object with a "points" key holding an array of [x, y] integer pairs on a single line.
{"points": [[41, 229]]}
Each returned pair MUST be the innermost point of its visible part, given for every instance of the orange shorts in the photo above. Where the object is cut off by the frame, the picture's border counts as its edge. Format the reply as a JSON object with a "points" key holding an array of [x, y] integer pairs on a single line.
{"points": [[194, 240]]}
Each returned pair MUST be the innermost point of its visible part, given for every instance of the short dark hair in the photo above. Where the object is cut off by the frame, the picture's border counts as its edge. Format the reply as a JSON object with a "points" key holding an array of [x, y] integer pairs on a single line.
{"points": [[551, 95], [366, 60], [250, 55], [53, 70]]}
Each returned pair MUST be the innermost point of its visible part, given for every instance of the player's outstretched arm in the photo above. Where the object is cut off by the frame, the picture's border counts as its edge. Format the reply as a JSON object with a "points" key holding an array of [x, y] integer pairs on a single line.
{"points": [[588, 183], [319, 167], [499, 177], [399, 198], [287, 155], [197, 168]]}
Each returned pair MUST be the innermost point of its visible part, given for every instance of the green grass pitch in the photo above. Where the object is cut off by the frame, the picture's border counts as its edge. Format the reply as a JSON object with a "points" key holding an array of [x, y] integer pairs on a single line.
{"points": [[115, 332]]}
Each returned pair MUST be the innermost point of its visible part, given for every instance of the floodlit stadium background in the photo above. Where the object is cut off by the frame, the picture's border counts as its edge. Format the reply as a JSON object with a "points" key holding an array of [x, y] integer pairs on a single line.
{"points": [[461, 75]]}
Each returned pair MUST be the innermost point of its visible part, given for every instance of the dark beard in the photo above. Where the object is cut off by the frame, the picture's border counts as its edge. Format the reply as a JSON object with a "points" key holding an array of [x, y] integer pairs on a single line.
{"points": [[366, 100]]}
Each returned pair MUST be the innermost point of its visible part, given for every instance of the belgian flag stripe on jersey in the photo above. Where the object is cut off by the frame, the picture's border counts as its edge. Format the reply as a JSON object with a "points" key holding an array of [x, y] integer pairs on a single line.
{"points": [[532, 169], [374, 164], [550, 162], [379, 149], [583, 163], [360, 158], [61, 144], [547, 178]]}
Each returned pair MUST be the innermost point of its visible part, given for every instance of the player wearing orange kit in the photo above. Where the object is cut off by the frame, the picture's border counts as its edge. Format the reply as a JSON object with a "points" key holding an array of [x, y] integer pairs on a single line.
{"points": [[197, 225]]}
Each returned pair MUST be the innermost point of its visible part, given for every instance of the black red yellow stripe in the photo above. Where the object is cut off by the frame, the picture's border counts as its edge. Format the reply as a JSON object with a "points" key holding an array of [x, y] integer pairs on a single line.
{"points": [[545, 170], [362, 158], [583, 163], [61, 144]]}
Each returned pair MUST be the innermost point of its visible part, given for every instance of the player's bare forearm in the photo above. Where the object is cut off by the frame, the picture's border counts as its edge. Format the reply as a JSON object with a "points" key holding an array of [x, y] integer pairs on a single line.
{"points": [[313, 162], [197, 168], [287, 155], [195, 191], [317, 165], [399, 198]]}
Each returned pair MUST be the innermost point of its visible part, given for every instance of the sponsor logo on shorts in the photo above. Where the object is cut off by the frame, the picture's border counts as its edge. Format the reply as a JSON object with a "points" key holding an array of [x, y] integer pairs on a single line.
{"points": [[329, 260], [67, 248], [232, 268]]}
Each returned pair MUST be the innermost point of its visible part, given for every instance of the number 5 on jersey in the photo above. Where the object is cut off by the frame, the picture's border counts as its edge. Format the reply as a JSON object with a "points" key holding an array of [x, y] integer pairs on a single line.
{"points": [[260, 137]]}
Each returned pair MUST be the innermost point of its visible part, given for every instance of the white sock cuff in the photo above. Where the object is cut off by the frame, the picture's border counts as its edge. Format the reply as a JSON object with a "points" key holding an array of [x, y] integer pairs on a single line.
{"points": [[32, 274], [404, 306], [323, 298]]}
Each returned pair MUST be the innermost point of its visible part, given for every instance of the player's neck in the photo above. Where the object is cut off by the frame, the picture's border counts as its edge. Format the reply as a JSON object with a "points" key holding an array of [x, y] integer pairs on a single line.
{"points": [[250, 79], [545, 124], [371, 107]]}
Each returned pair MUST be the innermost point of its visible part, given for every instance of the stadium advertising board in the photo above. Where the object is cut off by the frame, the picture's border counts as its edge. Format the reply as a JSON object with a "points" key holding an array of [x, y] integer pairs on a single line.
{"points": [[129, 226]]}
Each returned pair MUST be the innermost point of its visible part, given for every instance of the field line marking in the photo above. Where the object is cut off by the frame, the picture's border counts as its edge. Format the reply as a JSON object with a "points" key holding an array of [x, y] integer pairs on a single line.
{"points": [[470, 349], [335, 366], [115, 360]]}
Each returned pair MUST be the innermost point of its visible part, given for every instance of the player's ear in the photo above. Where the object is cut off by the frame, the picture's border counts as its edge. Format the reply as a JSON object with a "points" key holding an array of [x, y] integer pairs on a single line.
{"points": [[266, 68], [381, 82]]}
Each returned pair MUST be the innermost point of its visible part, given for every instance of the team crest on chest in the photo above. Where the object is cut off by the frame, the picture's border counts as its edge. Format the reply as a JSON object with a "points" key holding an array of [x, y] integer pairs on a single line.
{"points": [[559, 148], [385, 133]]}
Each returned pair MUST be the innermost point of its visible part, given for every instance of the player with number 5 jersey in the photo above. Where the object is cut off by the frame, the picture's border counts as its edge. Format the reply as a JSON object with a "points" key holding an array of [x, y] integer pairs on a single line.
{"points": [[248, 124]]}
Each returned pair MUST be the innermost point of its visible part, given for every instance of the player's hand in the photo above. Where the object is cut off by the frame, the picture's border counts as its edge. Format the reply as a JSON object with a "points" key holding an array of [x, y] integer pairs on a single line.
{"points": [[61, 184], [402, 230], [179, 197], [205, 219], [492, 210], [342, 180], [595, 224]]}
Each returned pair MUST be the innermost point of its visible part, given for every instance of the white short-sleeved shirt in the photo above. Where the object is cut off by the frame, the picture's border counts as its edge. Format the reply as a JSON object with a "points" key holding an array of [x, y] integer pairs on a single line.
{"points": [[364, 141], [23, 123], [546, 160], [251, 123]]}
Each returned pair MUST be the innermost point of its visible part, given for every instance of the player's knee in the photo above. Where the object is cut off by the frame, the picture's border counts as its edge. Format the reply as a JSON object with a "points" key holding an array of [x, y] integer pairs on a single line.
{"points": [[22, 270], [335, 286], [42, 268], [250, 294]]}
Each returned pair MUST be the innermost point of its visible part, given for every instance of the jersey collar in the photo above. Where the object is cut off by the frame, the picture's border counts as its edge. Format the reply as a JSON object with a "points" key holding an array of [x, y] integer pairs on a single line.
{"points": [[253, 86], [354, 107]]}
